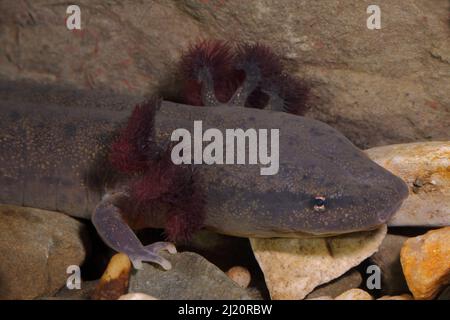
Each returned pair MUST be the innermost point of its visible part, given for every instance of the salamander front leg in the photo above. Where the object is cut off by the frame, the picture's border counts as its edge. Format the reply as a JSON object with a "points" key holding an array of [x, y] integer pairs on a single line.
{"points": [[114, 231]]}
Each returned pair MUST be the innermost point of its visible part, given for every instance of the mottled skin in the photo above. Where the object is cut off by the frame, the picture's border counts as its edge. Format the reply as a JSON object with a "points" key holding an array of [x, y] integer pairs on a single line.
{"points": [[47, 150]]}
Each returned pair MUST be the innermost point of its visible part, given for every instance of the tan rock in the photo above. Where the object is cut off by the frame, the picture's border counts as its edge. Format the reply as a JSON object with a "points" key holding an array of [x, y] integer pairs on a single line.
{"points": [[349, 280], [400, 297], [118, 265], [136, 296], [425, 167], [426, 263], [354, 294], [240, 275], [114, 281], [294, 267], [321, 298], [36, 248]]}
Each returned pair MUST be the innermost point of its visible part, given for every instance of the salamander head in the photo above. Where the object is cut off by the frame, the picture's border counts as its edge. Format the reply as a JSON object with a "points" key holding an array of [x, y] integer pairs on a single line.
{"points": [[324, 186], [340, 189], [352, 203]]}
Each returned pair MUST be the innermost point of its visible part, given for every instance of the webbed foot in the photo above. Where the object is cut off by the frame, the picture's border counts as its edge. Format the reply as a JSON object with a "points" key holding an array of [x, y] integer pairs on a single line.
{"points": [[150, 253]]}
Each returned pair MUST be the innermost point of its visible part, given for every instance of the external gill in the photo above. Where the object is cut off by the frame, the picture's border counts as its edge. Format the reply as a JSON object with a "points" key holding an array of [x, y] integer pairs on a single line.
{"points": [[207, 91], [217, 72], [252, 80]]}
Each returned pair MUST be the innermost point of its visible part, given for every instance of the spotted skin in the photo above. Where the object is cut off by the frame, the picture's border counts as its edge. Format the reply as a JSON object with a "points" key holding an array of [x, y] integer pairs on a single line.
{"points": [[48, 150]]}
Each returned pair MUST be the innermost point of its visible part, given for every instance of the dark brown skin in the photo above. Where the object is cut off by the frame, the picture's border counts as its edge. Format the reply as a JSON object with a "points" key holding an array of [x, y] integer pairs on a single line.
{"points": [[48, 149]]}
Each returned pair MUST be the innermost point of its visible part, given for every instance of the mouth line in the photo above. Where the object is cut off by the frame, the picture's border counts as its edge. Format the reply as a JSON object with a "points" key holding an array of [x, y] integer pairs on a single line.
{"points": [[383, 217], [307, 235]]}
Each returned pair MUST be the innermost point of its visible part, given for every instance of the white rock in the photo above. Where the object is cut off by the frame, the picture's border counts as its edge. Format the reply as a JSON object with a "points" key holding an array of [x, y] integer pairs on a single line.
{"points": [[294, 267], [136, 296]]}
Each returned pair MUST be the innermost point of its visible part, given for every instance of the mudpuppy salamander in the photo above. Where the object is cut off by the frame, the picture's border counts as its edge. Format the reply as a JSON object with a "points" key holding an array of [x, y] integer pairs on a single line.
{"points": [[54, 142]]}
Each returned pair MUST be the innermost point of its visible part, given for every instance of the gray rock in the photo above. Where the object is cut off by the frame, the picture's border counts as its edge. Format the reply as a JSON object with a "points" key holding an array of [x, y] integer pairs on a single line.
{"points": [[388, 259], [293, 268], [376, 86], [36, 247], [221, 250], [191, 277], [349, 280]]}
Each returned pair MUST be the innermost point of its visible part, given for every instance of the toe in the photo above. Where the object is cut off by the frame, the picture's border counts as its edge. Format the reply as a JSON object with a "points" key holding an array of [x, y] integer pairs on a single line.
{"points": [[158, 246]]}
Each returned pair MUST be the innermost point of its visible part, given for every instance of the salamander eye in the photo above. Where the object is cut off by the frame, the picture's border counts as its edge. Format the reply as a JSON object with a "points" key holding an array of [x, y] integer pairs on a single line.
{"points": [[319, 203]]}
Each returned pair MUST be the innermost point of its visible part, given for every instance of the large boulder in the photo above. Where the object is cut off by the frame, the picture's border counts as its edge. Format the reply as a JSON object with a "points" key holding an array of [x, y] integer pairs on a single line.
{"points": [[376, 86]]}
